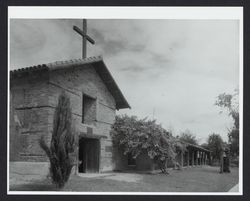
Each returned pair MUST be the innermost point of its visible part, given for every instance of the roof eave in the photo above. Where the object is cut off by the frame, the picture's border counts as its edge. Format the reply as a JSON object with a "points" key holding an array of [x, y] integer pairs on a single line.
{"points": [[122, 103], [196, 146]]}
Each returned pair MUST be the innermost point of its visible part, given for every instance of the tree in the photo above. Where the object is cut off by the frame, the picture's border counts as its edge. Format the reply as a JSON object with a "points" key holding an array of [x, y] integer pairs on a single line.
{"points": [[188, 137], [230, 102], [62, 143], [215, 144], [137, 136]]}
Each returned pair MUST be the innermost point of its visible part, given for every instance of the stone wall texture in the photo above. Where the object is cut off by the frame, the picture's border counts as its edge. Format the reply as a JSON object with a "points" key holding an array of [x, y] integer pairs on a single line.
{"points": [[28, 117], [32, 104]]}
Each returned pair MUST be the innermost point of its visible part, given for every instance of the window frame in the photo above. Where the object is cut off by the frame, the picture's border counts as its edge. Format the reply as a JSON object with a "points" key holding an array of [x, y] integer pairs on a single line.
{"points": [[94, 99]]}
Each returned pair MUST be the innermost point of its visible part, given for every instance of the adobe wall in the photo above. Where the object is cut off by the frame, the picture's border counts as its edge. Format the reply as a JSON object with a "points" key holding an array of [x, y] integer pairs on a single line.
{"points": [[32, 104], [120, 160], [28, 117], [143, 162], [76, 81]]}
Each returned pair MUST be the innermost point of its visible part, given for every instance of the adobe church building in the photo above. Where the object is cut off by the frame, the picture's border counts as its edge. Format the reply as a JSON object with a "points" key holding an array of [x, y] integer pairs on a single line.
{"points": [[94, 97]]}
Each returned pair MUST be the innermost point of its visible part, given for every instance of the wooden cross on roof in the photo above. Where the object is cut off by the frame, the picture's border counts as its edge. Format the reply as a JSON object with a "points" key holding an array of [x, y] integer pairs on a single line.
{"points": [[85, 37]]}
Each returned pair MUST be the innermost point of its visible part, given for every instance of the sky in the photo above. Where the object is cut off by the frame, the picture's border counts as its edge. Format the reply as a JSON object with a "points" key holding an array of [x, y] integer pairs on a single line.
{"points": [[169, 70]]}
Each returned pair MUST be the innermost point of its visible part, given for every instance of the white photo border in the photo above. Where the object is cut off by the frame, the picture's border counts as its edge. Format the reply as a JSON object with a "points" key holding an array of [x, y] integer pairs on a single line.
{"points": [[114, 12]]}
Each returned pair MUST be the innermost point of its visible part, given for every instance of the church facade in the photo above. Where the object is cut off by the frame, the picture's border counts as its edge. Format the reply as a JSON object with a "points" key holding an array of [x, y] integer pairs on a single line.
{"points": [[94, 97]]}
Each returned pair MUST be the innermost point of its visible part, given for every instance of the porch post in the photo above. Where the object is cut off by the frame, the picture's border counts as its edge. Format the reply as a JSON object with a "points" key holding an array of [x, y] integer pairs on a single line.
{"points": [[201, 155], [182, 159], [205, 158], [193, 158], [201, 158], [188, 158], [196, 159]]}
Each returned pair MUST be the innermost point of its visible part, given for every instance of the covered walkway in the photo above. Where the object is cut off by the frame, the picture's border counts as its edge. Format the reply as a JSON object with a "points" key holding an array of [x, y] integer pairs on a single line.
{"points": [[194, 156]]}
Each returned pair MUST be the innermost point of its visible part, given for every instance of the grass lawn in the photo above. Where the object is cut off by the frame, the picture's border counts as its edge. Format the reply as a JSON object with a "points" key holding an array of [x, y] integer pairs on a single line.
{"points": [[198, 179]]}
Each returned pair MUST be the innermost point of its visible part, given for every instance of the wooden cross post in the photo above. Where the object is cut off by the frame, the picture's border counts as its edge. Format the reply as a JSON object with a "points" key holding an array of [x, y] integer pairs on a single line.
{"points": [[85, 37]]}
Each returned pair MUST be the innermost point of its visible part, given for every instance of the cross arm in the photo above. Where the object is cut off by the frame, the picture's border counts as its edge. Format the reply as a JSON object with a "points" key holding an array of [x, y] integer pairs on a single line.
{"points": [[84, 35]]}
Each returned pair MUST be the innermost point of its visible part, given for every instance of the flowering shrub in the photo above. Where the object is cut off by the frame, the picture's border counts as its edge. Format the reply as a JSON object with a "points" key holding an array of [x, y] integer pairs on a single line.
{"points": [[138, 136]]}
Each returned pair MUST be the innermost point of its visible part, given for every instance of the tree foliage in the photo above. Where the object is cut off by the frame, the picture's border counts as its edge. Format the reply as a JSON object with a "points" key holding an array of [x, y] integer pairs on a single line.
{"points": [[188, 137], [137, 136], [233, 137], [62, 143], [230, 102], [215, 144]]}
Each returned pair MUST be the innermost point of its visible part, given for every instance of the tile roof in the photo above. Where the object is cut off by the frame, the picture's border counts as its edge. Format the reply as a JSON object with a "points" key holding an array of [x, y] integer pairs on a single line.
{"points": [[96, 62], [56, 65], [196, 146]]}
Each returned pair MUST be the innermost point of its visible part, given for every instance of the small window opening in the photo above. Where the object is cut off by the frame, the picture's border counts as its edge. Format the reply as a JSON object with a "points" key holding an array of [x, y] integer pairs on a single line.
{"points": [[88, 109], [131, 160]]}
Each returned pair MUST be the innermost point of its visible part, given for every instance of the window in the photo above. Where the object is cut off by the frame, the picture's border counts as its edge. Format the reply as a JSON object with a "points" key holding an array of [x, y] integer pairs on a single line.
{"points": [[131, 160], [88, 109]]}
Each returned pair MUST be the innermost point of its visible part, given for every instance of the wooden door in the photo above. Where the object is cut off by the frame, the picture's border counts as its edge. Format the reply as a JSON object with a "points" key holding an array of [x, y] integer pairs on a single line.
{"points": [[89, 150], [92, 155]]}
